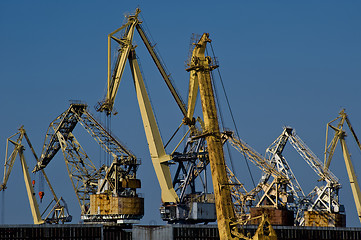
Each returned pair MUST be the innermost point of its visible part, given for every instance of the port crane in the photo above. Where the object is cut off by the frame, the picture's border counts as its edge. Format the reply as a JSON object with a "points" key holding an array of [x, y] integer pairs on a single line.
{"points": [[58, 211], [274, 193], [102, 192], [322, 199], [278, 161], [200, 67], [185, 195], [175, 206], [339, 136]]}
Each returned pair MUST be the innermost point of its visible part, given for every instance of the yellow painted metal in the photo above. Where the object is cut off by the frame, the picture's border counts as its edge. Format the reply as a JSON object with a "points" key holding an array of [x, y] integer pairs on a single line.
{"points": [[8, 166], [200, 65], [29, 189], [58, 211], [159, 157], [63, 145], [42, 170], [126, 42], [264, 231], [192, 93], [155, 144], [330, 149], [18, 149], [161, 69], [351, 175], [324, 219]]}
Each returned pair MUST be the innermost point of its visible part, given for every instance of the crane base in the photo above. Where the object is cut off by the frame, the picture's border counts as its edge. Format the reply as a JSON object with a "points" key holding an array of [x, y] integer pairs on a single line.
{"points": [[324, 219], [276, 216]]}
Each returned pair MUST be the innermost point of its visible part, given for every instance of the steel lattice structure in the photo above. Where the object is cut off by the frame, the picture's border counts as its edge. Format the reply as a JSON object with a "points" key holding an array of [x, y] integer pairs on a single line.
{"points": [[82, 171]]}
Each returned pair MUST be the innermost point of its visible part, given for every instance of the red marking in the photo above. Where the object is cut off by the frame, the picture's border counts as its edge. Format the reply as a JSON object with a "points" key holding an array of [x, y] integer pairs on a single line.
{"points": [[41, 195]]}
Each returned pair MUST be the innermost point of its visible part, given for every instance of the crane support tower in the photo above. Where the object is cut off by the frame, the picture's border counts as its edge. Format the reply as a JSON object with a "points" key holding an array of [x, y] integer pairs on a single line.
{"points": [[340, 135], [106, 194], [58, 212], [201, 67]]}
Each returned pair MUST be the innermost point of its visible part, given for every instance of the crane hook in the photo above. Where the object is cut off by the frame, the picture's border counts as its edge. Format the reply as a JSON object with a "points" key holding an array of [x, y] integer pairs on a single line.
{"points": [[41, 195]]}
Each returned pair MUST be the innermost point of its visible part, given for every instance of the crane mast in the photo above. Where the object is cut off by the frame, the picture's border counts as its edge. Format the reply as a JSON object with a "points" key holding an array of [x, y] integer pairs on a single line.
{"points": [[201, 66], [340, 135], [126, 46]]}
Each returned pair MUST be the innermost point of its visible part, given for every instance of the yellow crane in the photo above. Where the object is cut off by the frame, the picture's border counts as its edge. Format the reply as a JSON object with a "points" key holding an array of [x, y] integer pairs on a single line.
{"points": [[212, 153], [340, 135], [185, 203], [158, 155], [200, 68], [58, 213]]}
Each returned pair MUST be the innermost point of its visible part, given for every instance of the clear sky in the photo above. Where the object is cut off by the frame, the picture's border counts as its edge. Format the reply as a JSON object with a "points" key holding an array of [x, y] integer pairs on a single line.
{"points": [[293, 63]]}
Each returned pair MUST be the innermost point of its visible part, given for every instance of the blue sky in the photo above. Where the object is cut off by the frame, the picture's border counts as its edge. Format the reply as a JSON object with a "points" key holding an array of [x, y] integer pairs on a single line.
{"points": [[283, 63]]}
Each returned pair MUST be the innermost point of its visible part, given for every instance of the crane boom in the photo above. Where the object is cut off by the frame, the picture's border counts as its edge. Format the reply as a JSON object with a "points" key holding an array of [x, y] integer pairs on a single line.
{"points": [[90, 182], [256, 158], [156, 148], [279, 162], [155, 144], [161, 69], [126, 44], [313, 161]]}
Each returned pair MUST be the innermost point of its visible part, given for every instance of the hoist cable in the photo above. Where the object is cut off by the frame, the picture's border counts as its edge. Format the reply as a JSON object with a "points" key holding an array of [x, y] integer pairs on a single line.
{"points": [[234, 122], [220, 115], [151, 39]]}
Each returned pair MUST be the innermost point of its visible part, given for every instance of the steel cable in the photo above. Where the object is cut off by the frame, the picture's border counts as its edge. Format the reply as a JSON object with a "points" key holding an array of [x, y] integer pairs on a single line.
{"points": [[232, 117]]}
